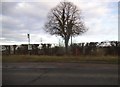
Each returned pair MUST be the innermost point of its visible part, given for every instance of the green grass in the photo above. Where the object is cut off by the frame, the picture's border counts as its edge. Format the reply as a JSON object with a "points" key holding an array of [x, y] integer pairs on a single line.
{"points": [[34, 58]]}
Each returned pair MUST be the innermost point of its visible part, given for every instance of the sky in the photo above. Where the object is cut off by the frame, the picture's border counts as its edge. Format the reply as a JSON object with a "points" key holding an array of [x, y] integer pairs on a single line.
{"points": [[20, 17]]}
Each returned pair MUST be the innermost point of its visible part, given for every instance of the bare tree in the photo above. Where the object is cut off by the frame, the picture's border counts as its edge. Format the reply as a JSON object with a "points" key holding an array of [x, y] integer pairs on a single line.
{"points": [[65, 20]]}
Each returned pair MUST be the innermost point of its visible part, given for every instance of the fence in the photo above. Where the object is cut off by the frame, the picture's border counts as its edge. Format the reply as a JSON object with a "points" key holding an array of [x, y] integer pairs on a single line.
{"points": [[92, 48]]}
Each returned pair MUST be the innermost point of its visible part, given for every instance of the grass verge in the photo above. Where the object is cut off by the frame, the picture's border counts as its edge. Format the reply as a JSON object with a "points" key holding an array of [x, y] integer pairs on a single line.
{"points": [[35, 58]]}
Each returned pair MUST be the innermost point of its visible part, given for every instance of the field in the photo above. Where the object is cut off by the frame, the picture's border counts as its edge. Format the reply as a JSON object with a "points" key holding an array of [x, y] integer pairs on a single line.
{"points": [[36, 58]]}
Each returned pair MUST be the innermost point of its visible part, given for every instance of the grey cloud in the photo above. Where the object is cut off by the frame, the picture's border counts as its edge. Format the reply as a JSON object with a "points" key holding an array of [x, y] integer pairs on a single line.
{"points": [[29, 17], [15, 37], [14, 24], [24, 10], [8, 8]]}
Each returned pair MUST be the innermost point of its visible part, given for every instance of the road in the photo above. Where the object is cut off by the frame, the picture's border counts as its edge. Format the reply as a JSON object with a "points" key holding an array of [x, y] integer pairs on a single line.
{"points": [[59, 74]]}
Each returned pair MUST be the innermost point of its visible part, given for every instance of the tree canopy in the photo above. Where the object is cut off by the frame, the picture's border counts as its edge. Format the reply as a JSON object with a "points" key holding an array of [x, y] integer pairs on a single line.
{"points": [[65, 20]]}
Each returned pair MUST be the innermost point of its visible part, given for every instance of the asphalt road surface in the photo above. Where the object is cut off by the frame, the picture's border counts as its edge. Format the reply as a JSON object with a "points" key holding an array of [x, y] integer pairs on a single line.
{"points": [[59, 74]]}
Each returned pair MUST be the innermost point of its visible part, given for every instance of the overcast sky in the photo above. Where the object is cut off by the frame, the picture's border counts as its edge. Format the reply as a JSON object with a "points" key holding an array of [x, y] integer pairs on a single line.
{"points": [[18, 18]]}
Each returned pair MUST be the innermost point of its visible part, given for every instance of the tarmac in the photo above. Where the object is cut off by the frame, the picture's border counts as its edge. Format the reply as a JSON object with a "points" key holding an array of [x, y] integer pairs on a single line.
{"points": [[59, 74]]}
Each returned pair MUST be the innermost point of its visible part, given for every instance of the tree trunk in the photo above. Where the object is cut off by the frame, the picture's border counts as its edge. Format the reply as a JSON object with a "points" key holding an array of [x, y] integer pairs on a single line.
{"points": [[66, 44], [14, 49]]}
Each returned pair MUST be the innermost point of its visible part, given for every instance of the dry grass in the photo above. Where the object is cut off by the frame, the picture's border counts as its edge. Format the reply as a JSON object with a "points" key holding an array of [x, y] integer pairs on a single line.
{"points": [[35, 58]]}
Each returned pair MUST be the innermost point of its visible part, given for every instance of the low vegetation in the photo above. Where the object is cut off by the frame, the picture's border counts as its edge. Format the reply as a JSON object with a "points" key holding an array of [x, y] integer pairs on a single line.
{"points": [[36, 58]]}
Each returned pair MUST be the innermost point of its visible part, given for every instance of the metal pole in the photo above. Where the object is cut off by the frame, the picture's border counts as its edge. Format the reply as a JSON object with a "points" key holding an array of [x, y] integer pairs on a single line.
{"points": [[29, 43], [29, 39], [59, 42], [71, 40], [41, 39]]}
